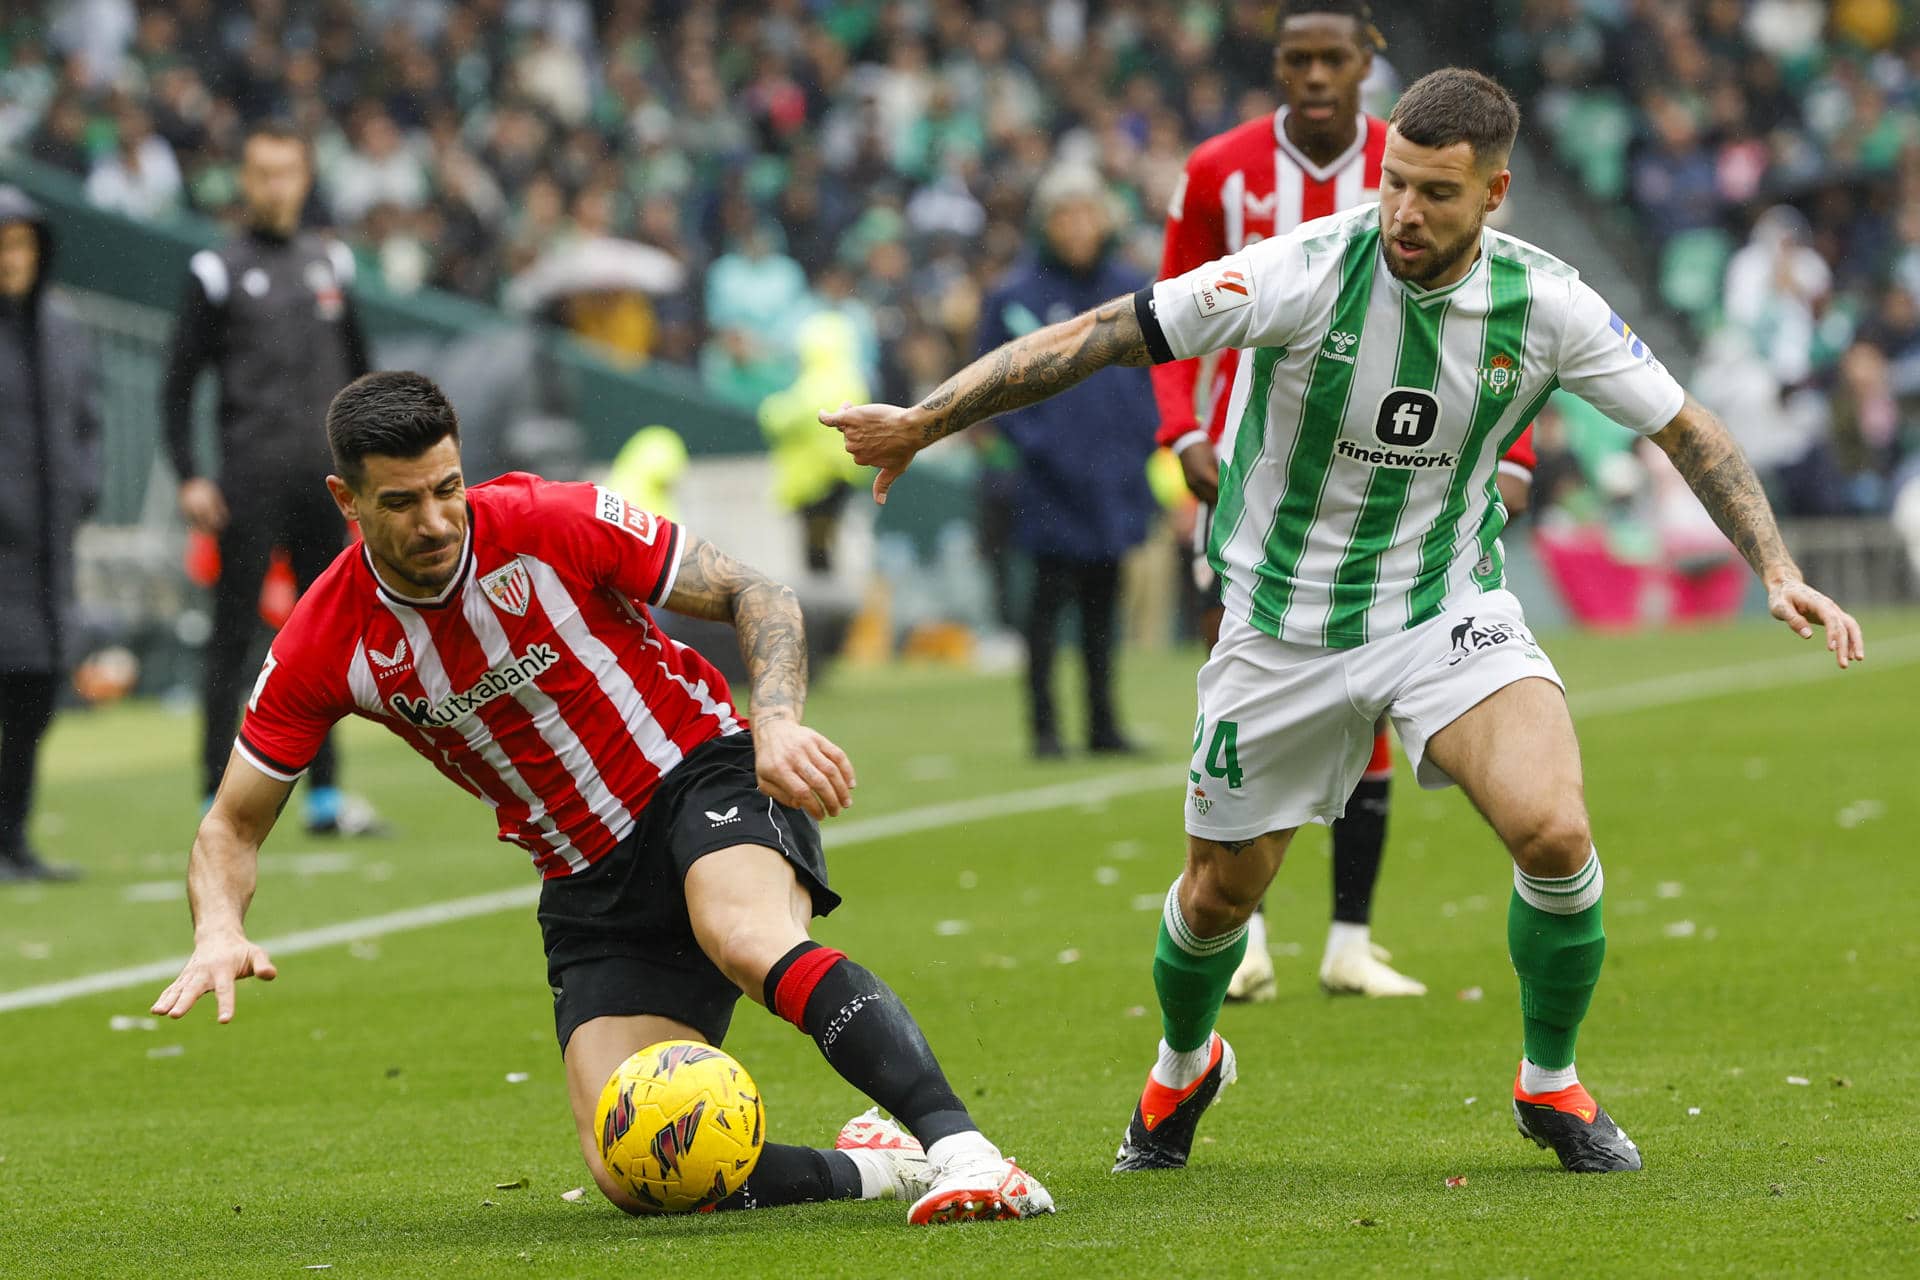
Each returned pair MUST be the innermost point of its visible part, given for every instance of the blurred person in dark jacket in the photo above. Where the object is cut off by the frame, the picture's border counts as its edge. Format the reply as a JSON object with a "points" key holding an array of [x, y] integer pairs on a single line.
{"points": [[1082, 501], [270, 310], [49, 477]]}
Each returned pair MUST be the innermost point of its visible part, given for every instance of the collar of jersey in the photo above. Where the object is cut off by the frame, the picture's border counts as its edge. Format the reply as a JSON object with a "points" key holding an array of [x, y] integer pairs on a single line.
{"points": [[445, 593], [1299, 157], [1427, 297]]}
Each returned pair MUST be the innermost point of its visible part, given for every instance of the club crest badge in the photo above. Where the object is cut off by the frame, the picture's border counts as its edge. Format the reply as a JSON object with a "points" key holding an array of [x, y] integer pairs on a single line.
{"points": [[509, 587]]}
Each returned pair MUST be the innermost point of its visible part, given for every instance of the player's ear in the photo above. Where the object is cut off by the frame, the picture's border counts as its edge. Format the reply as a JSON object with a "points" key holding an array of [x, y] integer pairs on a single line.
{"points": [[1497, 188], [343, 498]]}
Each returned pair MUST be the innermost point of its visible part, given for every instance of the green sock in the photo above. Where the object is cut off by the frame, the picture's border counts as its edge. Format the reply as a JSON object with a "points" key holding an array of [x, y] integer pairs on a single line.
{"points": [[1557, 955], [1191, 975]]}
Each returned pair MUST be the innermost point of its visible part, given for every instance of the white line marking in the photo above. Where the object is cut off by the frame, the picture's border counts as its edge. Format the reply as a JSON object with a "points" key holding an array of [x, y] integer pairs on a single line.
{"points": [[1692, 686], [1616, 700], [887, 826]]}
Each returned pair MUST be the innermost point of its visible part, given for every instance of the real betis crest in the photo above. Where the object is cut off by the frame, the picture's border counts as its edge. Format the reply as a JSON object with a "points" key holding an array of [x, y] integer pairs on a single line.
{"points": [[1501, 374]]}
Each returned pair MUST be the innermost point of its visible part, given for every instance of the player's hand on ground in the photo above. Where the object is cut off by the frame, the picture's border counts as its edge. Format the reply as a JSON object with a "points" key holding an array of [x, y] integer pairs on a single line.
{"points": [[801, 768], [203, 505], [1202, 471], [216, 965], [878, 435], [1801, 607]]}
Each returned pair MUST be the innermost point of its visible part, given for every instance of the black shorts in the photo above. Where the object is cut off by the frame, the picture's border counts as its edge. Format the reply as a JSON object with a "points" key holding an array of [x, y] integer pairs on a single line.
{"points": [[617, 935]]}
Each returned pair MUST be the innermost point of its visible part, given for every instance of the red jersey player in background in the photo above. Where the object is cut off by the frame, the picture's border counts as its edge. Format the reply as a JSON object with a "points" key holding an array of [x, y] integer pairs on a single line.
{"points": [[1317, 155], [505, 633]]}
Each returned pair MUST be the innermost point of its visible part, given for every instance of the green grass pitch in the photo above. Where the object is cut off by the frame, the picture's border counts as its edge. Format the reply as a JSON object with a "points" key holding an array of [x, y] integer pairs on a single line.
{"points": [[1755, 810]]}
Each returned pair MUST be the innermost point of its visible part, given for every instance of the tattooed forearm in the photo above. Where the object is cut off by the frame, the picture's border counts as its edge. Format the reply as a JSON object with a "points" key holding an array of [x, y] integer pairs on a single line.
{"points": [[1031, 368], [766, 616], [1704, 452]]}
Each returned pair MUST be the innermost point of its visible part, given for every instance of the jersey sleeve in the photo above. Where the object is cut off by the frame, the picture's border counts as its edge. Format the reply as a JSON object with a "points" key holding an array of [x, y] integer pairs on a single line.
{"points": [[1254, 298], [295, 701], [1195, 235], [1606, 364], [610, 542]]}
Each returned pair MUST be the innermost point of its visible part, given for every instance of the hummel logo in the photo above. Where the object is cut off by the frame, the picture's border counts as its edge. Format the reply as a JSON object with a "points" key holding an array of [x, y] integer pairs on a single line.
{"points": [[1339, 344], [720, 819], [387, 662]]}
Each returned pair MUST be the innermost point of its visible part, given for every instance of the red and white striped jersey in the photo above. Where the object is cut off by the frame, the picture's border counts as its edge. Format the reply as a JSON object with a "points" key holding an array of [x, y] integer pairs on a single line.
{"points": [[1241, 186], [537, 680]]}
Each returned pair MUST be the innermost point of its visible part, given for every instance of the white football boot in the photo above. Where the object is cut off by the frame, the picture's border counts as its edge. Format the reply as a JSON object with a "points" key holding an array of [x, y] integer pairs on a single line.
{"points": [[978, 1184], [1360, 969], [1253, 981], [880, 1146]]}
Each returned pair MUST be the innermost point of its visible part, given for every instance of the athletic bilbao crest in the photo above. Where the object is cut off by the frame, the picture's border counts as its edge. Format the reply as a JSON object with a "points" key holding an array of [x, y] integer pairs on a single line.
{"points": [[509, 587]]}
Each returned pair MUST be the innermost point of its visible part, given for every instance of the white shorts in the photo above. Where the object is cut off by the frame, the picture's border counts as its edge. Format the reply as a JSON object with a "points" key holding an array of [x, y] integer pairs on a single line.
{"points": [[1285, 730]]}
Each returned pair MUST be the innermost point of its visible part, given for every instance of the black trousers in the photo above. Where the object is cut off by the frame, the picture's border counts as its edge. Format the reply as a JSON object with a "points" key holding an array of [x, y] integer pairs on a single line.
{"points": [[26, 709], [300, 516], [1093, 588]]}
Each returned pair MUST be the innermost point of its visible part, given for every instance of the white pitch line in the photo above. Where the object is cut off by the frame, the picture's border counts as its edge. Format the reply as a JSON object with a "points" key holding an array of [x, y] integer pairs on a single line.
{"points": [[1811, 665], [856, 831], [1618, 699]]}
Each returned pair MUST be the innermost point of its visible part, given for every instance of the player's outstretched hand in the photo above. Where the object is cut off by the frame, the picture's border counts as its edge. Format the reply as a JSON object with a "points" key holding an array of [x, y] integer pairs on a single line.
{"points": [[801, 768], [1800, 606], [216, 964], [878, 435]]}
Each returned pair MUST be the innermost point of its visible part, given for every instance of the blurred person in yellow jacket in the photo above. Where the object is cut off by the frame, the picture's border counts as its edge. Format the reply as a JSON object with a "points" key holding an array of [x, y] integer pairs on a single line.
{"points": [[648, 467], [812, 474]]}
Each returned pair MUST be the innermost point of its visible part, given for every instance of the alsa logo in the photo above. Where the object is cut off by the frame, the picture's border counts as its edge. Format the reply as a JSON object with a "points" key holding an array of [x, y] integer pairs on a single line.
{"points": [[616, 510], [1635, 347], [1223, 289], [424, 713], [389, 663]]}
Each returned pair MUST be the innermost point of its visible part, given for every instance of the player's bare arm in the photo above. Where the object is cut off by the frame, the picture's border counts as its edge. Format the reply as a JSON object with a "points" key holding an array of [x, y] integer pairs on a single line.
{"points": [[797, 766], [1704, 452], [1019, 373], [221, 876]]}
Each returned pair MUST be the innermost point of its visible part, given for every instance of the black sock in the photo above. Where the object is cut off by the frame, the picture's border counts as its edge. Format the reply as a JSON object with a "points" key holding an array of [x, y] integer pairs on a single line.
{"points": [[1359, 838], [795, 1175], [866, 1034]]}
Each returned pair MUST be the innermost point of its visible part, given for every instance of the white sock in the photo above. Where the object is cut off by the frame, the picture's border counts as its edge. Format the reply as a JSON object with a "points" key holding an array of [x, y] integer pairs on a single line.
{"points": [[1341, 935], [969, 1146], [1540, 1080], [1257, 934], [1178, 1070], [876, 1177]]}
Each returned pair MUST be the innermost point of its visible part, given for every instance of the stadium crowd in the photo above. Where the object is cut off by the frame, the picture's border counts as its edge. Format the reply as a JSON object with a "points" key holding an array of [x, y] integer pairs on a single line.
{"points": [[1770, 153], [874, 159]]}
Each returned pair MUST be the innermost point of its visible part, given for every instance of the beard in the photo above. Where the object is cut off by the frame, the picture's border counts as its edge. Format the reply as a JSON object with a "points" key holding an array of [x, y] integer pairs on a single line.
{"points": [[1437, 261]]}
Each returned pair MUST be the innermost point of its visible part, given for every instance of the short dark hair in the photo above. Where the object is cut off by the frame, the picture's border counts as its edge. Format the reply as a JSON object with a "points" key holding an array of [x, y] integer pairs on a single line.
{"points": [[1453, 105], [275, 129], [1360, 11], [394, 413]]}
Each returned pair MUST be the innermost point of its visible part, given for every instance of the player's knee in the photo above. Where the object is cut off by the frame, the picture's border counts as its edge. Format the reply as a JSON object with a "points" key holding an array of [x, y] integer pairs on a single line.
{"points": [[746, 951], [1214, 904], [1554, 845]]}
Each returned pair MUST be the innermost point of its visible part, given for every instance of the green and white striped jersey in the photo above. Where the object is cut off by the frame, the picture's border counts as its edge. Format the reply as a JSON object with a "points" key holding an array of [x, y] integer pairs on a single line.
{"points": [[1368, 418]]}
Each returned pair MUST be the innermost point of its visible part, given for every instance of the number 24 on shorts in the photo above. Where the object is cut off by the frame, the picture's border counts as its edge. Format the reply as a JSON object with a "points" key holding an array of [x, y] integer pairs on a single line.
{"points": [[1223, 755]]}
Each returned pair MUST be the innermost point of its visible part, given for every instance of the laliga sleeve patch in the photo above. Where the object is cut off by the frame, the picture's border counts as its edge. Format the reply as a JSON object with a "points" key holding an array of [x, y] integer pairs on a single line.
{"points": [[617, 511], [1223, 285]]}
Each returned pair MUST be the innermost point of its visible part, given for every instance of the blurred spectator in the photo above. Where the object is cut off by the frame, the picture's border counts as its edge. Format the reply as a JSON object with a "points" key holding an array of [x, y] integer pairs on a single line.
{"points": [[812, 474], [755, 297], [381, 169], [49, 476], [139, 177], [1083, 500], [1775, 286]]}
